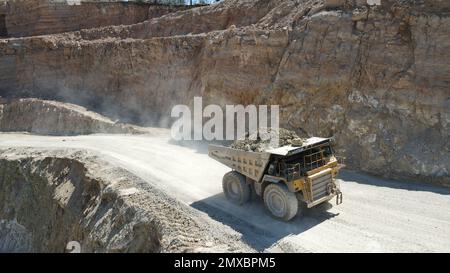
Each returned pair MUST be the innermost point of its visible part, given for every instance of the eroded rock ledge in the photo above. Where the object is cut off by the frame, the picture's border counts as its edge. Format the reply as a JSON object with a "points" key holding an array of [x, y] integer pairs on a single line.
{"points": [[57, 118], [50, 198]]}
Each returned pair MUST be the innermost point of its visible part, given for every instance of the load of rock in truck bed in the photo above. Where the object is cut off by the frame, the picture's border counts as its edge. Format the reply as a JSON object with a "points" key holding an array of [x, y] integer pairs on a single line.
{"points": [[260, 141]]}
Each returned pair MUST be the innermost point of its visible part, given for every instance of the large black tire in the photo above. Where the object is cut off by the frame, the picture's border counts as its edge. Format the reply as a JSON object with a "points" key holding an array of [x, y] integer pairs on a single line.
{"points": [[280, 202], [236, 189]]}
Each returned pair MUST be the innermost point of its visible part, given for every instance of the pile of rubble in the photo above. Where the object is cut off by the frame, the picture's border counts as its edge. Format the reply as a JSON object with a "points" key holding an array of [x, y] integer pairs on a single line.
{"points": [[262, 140]]}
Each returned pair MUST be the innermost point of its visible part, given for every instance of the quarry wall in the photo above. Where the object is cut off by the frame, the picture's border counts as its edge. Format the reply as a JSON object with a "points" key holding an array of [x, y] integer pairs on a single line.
{"points": [[374, 77], [30, 18]]}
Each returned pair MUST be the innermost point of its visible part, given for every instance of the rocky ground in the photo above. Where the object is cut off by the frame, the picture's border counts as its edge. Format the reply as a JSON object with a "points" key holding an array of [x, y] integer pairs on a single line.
{"points": [[376, 78]]}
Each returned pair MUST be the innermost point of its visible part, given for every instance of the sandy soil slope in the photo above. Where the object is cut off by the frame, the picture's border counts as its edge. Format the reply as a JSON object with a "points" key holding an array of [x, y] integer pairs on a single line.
{"points": [[377, 215]]}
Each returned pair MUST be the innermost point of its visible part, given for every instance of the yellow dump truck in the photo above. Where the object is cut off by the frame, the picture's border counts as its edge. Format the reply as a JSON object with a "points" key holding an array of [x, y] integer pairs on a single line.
{"points": [[286, 177]]}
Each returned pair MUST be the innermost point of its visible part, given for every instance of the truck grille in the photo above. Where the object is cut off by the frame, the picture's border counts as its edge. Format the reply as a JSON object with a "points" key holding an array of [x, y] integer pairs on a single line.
{"points": [[319, 183]]}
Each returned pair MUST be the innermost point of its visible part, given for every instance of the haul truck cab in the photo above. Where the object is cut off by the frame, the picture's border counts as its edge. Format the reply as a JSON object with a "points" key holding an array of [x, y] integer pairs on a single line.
{"points": [[284, 177]]}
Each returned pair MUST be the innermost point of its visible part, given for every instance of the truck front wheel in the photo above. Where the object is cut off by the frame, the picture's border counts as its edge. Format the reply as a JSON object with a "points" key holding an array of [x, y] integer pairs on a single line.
{"points": [[281, 203], [236, 189]]}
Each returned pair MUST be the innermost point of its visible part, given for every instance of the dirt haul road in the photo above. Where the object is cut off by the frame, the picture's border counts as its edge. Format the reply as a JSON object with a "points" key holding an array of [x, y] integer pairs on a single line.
{"points": [[377, 215]]}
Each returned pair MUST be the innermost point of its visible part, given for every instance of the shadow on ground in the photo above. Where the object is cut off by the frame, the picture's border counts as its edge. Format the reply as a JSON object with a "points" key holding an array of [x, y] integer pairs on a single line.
{"points": [[258, 228], [362, 178]]}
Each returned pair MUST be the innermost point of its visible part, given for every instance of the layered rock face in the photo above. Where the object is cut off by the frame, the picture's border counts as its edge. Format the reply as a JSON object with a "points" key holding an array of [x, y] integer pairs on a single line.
{"points": [[38, 17], [57, 118], [50, 199], [374, 77]]}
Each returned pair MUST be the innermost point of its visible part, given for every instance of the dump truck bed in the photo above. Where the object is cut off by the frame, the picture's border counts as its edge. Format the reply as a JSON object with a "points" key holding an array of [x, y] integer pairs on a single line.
{"points": [[250, 164], [253, 164]]}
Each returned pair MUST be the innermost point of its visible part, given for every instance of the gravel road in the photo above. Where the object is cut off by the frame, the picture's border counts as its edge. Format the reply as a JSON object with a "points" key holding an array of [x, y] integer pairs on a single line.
{"points": [[377, 215]]}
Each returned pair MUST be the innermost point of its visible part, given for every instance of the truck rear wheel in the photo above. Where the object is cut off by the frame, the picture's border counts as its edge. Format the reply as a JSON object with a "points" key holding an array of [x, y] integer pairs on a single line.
{"points": [[236, 188], [281, 203]]}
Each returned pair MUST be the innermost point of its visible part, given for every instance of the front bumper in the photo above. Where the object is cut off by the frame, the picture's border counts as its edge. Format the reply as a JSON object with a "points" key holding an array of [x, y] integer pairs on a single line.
{"points": [[322, 187]]}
